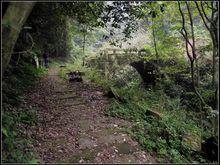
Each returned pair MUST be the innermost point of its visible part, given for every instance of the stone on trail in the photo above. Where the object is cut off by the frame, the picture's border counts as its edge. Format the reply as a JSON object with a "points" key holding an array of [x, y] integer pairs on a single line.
{"points": [[86, 143]]}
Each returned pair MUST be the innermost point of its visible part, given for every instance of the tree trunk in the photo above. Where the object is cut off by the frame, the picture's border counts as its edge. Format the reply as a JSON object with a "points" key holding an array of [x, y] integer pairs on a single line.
{"points": [[13, 20], [192, 74], [155, 45], [212, 25], [84, 42], [214, 69], [197, 73], [194, 85]]}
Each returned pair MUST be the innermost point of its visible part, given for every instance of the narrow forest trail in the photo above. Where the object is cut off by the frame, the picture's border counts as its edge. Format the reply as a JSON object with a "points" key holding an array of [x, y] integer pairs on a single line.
{"points": [[72, 127]]}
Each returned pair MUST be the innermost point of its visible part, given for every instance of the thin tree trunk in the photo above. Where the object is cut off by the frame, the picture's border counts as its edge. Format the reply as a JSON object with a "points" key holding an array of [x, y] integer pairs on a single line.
{"points": [[13, 20], [192, 57], [155, 44], [214, 69], [194, 85], [84, 42], [212, 26], [192, 74], [197, 73]]}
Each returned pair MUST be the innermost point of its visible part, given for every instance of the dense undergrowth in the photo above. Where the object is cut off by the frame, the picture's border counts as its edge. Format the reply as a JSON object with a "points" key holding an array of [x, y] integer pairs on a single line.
{"points": [[16, 119], [180, 118], [164, 135]]}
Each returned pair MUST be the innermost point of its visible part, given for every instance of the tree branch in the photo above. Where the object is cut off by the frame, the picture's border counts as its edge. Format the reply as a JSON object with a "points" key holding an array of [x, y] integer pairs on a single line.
{"points": [[203, 10], [185, 33], [210, 7], [192, 30], [203, 19], [28, 50], [91, 9], [181, 32]]}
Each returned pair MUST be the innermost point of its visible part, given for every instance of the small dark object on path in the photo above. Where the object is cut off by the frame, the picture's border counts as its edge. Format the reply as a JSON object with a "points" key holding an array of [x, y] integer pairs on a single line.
{"points": [[62, 66], [75, 76]]}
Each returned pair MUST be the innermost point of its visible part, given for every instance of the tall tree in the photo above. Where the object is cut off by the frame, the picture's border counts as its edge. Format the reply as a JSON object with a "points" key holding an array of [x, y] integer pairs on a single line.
{"points": [[211, 23], [84, 42], [190, 45], [13, 20]]}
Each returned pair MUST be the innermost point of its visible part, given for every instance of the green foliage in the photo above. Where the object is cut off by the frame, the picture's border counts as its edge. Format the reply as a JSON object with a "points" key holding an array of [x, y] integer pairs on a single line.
{"points": [[171, 89], [28, 116], [77, 40], [164, 135], [128, 92], [14, 144], [128, 111], [62, 74], [209, 97], [17, 80], [96, 77], [190, 101], [50, 29]]}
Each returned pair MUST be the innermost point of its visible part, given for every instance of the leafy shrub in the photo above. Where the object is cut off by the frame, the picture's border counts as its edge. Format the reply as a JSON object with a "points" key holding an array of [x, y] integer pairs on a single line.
{"points": [[209, 97], [13, 142], [128, 111], [171, 89], [184, 80], [96, 77], [17, 80], [190, 101]]}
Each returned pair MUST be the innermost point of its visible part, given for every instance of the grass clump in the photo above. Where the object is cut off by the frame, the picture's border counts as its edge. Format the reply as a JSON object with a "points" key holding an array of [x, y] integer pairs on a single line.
{"points": [[15, 144]]}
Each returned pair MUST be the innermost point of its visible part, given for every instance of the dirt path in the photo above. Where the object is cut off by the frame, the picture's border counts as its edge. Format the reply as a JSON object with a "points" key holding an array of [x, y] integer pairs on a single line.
{"points": [[72, 126]]}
